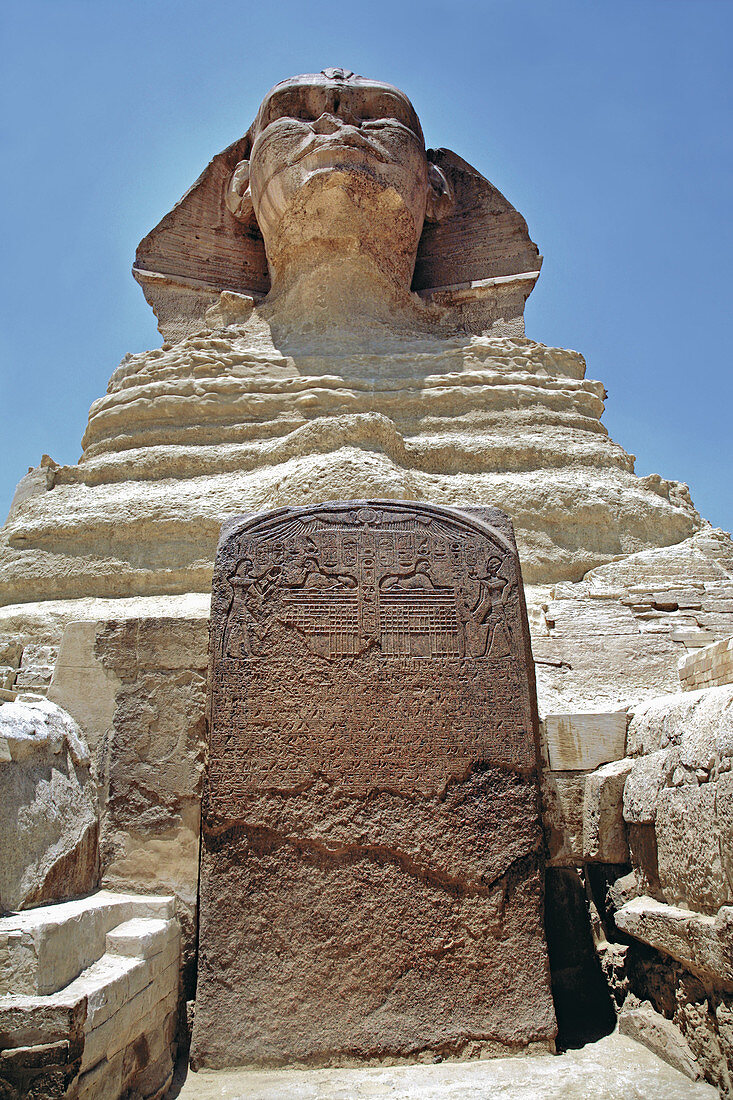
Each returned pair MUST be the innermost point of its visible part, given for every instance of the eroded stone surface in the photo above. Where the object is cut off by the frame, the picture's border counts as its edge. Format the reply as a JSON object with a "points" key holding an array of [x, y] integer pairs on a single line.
{"points": [[371, 871], [49, 814], [616, 1068], [137, 689]]}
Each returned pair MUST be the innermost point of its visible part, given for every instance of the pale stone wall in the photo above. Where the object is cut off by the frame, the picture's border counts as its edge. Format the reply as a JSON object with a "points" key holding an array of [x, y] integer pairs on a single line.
{"points": [[89, 994], [708, 667], [137, 688]]}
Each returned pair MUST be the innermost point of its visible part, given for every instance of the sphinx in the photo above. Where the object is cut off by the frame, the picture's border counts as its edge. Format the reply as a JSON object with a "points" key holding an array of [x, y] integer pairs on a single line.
{"points": [[342, 313], [330, 206]]}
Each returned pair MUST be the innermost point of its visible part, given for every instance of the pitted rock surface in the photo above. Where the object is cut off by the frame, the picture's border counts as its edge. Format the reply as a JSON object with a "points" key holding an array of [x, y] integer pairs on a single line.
{"points": [[371, 863]]}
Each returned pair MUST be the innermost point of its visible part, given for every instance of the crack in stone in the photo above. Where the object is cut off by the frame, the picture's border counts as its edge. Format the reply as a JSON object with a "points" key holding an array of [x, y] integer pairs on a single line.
{"points": [[265, 840]]}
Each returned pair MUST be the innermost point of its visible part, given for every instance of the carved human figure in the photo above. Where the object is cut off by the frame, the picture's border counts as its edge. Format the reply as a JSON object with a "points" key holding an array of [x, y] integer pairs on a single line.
{"points": [[479, 603], [247, 608], [338, 174]]}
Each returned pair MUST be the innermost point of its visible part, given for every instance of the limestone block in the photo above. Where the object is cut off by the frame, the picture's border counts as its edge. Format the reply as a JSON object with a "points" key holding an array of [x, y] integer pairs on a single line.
{"points": [[569, 618], [604, 832], [34, 1021], [661, 722], [643, 785], [581, 742], [655, 1032], [11, 650], [103, 1079], [140, 937], [7, 676], [644, 858], [40, 1047], [724, 822], [591, 673], [112, 1026], [690, 867], [562, 816], [43, 950], [702, 943], [36, 678], [49, 816], [137, 687], [708, 667], [36, 667], [149, 1060]]}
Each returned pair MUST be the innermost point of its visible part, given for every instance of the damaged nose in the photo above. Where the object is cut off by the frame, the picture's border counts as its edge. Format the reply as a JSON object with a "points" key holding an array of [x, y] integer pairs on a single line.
{"points": [[326, 124]]}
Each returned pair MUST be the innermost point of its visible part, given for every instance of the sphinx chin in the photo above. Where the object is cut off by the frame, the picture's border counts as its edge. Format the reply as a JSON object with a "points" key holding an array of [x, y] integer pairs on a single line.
{"points": [[339, 212]]}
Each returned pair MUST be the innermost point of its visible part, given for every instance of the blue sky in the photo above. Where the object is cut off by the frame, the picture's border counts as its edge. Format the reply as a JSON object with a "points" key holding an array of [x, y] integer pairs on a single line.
{"points": [[607, 123]]}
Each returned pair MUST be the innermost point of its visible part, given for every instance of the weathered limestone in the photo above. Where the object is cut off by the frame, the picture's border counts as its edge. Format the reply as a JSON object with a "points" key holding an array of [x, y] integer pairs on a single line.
{"points": [[226, 420], [604, 831], [688, 847], [49, 814], [678, 814], [89, 998], [710, 666], [615, 638], [137, 689], [582, 787], [643, 1023], [696, 722], [678, 792], [702, 943], [582, 742], [363, 807], [616, 1068]]}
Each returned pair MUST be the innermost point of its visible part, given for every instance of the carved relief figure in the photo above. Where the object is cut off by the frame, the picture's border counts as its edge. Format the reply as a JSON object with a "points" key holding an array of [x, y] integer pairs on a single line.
{"points": [[479, 602], [416, 590], [246, 618]]}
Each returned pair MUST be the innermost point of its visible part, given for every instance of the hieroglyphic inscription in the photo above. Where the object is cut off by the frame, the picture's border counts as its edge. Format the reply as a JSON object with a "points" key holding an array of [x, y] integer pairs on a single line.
{"points": [[371, 858], [378, 644]]}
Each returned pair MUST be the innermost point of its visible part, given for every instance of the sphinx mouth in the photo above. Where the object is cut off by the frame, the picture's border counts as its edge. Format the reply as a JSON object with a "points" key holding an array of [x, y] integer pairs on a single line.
{"points": [[333, 149], [322, 145]]}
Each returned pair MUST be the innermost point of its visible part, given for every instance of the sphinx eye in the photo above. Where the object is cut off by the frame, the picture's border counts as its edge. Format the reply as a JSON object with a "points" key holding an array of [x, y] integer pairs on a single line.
{"points": [[285, 107], [304, 114]]}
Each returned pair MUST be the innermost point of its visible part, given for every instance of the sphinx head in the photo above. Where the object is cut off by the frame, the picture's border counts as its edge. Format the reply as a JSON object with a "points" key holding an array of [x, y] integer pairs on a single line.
{"points": [[338, 169]]}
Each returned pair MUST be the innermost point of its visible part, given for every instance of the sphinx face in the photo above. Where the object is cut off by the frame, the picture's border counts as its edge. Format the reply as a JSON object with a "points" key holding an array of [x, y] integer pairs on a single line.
{"points": [[343, 163]]}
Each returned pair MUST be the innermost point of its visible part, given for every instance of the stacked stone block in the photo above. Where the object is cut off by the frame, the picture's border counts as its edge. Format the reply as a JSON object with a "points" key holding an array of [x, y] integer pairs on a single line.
{"points": [[678, 900], [89, 998], [582, 784], [711, 666]]}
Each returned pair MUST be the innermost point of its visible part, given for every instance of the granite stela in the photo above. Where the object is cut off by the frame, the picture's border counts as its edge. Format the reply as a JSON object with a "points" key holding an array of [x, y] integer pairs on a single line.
{"points": [[371, 881]]}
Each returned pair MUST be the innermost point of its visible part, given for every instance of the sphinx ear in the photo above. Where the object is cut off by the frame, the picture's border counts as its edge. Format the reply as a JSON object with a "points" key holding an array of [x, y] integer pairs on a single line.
{"points": [[440, 194], [238, 195]]}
